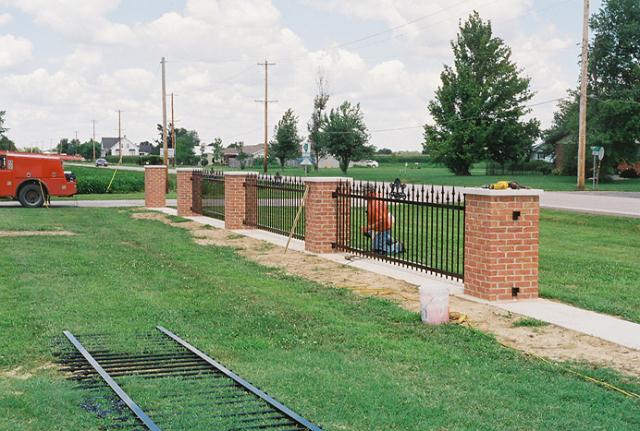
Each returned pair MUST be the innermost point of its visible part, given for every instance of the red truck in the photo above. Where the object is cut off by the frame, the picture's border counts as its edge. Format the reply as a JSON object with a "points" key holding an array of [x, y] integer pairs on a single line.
{"points": [[33, 178]]}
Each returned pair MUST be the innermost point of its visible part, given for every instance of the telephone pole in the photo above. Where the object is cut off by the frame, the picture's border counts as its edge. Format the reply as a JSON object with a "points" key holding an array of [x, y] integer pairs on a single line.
{"points": [[120, 135], [582, 128], [173, 133], [93, 139], [164, 112], [266, 101]]}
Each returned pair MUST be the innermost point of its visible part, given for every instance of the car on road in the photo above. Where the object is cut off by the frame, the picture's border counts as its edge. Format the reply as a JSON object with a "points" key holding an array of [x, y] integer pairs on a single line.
{"points": [[366, 163], [101, 162]]}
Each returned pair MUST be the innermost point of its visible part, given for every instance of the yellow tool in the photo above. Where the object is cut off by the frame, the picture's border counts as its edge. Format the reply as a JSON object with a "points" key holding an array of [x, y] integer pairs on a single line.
{"points": [[500, 185]]}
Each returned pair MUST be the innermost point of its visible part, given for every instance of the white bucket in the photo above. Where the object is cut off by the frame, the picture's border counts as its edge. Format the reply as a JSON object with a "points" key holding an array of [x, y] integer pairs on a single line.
{"points": [[434, 304]]}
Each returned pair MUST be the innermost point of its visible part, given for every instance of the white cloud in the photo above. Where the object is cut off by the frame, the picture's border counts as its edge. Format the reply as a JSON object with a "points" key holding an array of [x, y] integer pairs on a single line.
{"points": [[212, 48], [5, 18], [79, 20], [15, 50]]}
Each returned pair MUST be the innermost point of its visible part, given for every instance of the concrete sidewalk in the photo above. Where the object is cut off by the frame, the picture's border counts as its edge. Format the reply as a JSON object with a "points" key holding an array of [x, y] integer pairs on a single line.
{"points": [[89, 204], [599, 325]]}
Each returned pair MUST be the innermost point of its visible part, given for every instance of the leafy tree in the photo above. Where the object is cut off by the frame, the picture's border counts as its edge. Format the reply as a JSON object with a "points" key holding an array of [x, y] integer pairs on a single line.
{"points": [[67, 146], [187, 140], [384, 151], [34, 150], [86, 149], [613, 107], [242, 157], [345, 135], [286, 143], [6, 144], [316, 138], [479, 106], [218, 150]]}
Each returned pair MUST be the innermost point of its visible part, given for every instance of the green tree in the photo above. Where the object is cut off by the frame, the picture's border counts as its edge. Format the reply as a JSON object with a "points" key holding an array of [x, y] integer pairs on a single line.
{"points": [[479, 106], [613, 107], [318, 147], [86, 149], [186, 140], [217, 150], [345, 135], [6, 144], [286, 143], [242, 157]]}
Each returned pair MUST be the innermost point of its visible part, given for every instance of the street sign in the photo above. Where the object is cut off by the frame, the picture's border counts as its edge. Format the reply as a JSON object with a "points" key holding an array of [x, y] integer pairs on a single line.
{"points": [[598, 152], [306, 150], [306, 162]]}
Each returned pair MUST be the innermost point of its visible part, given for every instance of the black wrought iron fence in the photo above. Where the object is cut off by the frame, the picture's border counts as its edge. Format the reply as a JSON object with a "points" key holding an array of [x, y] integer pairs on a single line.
{"points": [[208, 193], [272, 204], [416, 226]]}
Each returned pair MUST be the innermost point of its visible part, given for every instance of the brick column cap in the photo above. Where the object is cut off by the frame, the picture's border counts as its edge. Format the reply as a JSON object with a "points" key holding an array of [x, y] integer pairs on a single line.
{"points": [[240, 173], [326, 179], [477, 191], [185, 169], [155, 167]]}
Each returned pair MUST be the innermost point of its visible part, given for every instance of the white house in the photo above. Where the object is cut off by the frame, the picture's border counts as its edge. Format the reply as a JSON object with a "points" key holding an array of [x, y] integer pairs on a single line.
{"points": [[111, 147]]}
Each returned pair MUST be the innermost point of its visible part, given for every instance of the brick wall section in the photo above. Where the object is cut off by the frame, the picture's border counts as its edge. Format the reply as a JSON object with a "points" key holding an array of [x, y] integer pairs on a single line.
{"points": [[185, 192], [235, 199], [320, 214], [501, 253], [155, 186]]}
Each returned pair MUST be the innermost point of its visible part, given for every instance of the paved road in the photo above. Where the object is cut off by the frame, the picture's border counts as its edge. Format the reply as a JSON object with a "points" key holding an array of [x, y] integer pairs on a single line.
{"points": [[609, 203]]}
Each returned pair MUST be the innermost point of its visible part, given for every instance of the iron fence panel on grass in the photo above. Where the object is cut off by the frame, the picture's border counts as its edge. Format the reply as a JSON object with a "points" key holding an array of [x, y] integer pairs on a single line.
{"points": [[272, 204], [414, 226], [208, 193]]}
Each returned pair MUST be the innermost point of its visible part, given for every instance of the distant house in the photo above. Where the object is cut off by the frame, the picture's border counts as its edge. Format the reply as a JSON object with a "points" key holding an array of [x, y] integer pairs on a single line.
{"points": [[253, 151], [145, 148], [111, 147], [538, 152]]}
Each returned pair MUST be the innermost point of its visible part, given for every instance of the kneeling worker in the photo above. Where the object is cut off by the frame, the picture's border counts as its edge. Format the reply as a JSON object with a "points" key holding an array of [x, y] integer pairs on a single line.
{"points": [[379, 224]]}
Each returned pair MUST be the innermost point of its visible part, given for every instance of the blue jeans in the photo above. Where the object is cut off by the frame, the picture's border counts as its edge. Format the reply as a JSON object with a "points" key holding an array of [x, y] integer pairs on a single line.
{"points": [[383, 243]]}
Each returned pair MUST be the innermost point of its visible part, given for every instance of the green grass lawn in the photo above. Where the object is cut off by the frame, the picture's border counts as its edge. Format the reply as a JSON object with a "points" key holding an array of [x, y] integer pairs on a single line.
{"points": [[441, 176], [346, 362], [591, 261]]}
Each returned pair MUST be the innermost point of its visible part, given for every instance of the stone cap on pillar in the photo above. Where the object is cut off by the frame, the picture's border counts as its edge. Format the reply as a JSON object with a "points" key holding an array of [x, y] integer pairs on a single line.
{"points": [[240, 173], [155, 166], [477, 191]]}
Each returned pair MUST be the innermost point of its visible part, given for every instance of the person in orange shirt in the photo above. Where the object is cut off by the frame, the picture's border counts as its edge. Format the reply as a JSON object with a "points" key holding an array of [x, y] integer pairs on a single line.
{"points": [[379, 224]]}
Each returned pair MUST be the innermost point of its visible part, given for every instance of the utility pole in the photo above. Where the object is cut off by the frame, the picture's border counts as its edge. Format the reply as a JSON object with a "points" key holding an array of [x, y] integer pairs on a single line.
{"points": [[93, 139], [582, 128], [266, 101], [164, 112], [173, 133], [120, 135]]}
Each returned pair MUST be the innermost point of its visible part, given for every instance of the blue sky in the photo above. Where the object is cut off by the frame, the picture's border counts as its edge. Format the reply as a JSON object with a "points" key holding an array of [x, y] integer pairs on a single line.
{"points": [[66, 62]]}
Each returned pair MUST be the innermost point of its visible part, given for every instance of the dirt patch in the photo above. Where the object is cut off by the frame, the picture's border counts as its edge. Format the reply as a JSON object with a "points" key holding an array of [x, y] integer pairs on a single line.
{"points": [[549, 341], [12, 233], [16, 373]]}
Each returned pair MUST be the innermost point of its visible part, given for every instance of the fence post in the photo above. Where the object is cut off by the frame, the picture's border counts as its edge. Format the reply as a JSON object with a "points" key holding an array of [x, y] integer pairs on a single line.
{"points": [[185, 192], [237, 198], [320, 214], [155, 186], [501, 243]]}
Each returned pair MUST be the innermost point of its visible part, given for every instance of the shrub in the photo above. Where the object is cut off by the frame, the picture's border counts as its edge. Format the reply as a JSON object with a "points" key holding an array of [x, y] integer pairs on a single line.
{"points": [[153, 159], [96, 181]]}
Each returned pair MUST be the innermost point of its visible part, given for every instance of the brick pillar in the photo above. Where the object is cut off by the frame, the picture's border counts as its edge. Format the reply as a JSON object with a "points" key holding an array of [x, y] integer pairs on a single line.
{"points": [[236, 199], [320, 214], [155, 186], [501, 244], [185, 192]]}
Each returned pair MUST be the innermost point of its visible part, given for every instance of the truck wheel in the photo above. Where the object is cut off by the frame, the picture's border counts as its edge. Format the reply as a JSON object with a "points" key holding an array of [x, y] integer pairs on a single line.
{"points": [[31, 196]]}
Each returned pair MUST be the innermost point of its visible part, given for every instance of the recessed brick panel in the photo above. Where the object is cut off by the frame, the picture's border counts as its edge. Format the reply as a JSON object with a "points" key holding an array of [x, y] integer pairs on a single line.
{"points": [[155, 187]]}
